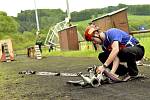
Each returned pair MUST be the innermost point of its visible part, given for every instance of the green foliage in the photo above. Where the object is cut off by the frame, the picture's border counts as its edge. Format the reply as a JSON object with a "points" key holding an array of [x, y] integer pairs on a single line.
{"points": [[132, 9], [22, 41], [139, 9], [85, 14], [47, 18], [7, 23], [3, 13], [1, 35]]}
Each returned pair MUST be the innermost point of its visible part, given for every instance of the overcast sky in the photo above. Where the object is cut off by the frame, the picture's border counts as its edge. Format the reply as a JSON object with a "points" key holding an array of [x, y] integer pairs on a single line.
{"points": [[12, 7]]}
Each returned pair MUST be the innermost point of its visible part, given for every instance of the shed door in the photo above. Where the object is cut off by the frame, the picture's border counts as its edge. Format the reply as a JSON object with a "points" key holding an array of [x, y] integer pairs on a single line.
{"points": [[120, 21]]}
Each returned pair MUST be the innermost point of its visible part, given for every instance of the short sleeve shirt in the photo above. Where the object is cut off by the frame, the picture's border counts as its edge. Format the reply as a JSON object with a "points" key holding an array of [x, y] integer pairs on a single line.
{"points": [[115, 34]]}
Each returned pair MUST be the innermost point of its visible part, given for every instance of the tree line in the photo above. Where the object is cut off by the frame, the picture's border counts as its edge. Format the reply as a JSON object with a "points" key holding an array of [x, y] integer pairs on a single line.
{"points": [[26, 21], [89, 13], [8, 24]]}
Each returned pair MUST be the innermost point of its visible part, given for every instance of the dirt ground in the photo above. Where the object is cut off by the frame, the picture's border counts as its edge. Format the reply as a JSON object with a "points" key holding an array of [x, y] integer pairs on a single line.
{"points": [[14, 86]]}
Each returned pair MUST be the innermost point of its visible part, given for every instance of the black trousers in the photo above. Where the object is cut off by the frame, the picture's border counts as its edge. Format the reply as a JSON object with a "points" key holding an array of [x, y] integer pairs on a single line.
{"points": [[40, 46], [129, 55]]}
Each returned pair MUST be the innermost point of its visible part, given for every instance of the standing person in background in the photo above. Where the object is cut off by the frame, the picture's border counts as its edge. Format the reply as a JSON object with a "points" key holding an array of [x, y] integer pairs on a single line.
{"points": [[51, 46], [39, 42]]}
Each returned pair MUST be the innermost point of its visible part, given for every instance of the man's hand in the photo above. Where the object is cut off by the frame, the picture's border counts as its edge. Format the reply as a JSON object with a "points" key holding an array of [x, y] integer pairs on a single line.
{"points": [[100, 69]]}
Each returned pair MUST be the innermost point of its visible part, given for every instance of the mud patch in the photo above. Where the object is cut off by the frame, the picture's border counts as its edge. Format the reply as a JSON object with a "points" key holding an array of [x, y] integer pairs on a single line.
{"points": [[33, 87]]}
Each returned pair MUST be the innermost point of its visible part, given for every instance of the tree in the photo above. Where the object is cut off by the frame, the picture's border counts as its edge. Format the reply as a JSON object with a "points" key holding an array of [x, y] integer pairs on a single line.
{"points": [[47, 18], [7, 23]]}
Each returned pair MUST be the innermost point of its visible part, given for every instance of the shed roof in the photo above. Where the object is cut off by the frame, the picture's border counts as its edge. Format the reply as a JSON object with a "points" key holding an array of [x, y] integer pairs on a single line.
{"points": [[110, 14]]}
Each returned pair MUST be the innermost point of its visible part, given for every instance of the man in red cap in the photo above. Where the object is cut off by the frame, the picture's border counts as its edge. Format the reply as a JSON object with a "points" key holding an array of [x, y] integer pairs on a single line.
{"points": [[118, 46]]}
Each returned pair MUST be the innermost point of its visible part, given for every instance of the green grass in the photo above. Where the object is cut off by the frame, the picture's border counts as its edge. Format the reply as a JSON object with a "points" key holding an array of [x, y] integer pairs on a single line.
{"points": [[81, 25], [135, 17], [136, 21], [144, 39], [85, 53]]}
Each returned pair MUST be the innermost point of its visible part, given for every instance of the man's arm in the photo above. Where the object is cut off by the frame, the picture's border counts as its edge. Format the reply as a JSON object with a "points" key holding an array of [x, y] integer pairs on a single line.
{"points": [[116, 62], [113, 54], [112, 57]]}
